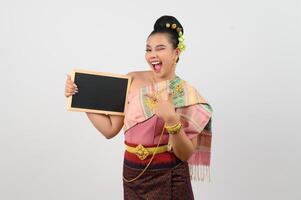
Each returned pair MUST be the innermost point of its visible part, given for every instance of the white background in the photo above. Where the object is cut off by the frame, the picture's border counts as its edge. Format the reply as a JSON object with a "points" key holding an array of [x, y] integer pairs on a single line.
{"points": [[243, 57]]}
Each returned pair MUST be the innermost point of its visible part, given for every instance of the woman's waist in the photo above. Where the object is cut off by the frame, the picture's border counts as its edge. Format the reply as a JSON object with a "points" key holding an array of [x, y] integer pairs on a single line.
{"points": [[139, 156], [146, 139]]}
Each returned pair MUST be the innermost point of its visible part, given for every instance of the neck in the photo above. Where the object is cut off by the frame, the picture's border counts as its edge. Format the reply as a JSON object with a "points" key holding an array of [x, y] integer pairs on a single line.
{"points": [[156, 79]]}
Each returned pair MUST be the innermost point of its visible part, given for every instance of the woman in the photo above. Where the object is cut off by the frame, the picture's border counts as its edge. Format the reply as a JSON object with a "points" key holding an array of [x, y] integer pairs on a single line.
{"points": [[166, 123]]}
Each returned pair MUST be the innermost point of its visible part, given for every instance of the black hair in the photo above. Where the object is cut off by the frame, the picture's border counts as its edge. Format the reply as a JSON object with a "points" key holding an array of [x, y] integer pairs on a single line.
{"points": [[160, 27]]}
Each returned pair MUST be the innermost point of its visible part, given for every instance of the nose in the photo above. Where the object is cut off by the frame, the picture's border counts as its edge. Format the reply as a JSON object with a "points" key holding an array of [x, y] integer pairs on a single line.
{"points": [[153, 55]]}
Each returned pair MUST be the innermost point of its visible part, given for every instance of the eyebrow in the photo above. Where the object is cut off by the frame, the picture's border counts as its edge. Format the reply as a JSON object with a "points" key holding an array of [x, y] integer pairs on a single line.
{"points": [[160, 45]]}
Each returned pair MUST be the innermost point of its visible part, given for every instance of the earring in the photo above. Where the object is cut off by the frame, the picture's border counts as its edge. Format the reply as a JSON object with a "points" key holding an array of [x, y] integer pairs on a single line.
{"points": [[175, 62]]}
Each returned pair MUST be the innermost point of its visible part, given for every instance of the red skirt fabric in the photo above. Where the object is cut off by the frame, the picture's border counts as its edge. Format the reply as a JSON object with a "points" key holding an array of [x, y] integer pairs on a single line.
{"points": [[167, 179]]}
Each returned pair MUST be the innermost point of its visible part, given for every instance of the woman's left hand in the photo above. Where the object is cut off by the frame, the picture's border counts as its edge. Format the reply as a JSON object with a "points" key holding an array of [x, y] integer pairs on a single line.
{"points": [[164, 107]]}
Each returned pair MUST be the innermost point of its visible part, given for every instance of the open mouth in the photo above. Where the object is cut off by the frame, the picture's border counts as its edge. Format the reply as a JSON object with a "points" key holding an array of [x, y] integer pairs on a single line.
{"points": [[157, 66]]}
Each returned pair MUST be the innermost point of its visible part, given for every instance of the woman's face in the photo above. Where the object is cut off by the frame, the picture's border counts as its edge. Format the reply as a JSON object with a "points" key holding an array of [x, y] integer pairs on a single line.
{"points": [[161, 56]]}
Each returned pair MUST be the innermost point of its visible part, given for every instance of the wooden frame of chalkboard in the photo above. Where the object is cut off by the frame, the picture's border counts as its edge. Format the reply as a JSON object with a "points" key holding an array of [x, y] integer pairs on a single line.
{"points": [[99, 92]]}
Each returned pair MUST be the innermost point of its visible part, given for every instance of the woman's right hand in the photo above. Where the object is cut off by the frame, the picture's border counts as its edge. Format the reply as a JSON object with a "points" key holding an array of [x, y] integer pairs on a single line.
{"points": [[70, 87]]}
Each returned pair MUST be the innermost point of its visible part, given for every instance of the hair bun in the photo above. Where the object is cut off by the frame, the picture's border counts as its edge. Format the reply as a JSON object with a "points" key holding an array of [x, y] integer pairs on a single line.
{"points": [[167, 22]]}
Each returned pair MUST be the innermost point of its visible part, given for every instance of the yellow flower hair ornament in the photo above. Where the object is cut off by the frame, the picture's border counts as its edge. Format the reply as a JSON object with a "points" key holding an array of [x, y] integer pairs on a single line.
{"points": [[181, 44]]}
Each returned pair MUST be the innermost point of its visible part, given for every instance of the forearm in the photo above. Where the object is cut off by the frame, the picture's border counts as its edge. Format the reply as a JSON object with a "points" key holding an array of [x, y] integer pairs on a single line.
{"points": [[105, 124], [182, 146]]}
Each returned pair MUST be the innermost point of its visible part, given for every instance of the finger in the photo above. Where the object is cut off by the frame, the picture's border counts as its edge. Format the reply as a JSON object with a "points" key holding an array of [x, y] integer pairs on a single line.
{"points": [[169, 96], [163, 95], [71, 84], [148, 95], [69, 80], [72, 87], [160, 94], [71, 90], [151, 96], [161, 91]]}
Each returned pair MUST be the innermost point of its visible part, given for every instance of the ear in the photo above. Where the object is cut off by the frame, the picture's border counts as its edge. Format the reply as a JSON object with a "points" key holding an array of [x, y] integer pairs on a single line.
{"points": [[178, 52]]}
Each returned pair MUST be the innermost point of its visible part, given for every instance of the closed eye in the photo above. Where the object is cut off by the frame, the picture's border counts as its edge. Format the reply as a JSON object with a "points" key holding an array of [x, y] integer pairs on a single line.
{"points": [[160, 48]]}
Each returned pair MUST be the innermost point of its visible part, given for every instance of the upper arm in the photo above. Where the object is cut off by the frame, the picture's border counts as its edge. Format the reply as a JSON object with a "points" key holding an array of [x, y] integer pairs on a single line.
{"points": [[117, 122]]}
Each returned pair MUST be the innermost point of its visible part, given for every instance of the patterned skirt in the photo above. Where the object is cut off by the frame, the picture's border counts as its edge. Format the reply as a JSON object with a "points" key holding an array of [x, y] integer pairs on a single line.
{"points": [[167, 178]]}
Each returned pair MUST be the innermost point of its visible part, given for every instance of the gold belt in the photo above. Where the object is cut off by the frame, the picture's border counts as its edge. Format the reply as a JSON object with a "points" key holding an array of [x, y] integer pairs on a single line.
{"points": [[142, 152]]}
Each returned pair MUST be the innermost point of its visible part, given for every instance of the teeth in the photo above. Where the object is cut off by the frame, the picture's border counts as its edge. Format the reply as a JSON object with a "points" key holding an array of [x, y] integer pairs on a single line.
{"points": [[155, 63]]}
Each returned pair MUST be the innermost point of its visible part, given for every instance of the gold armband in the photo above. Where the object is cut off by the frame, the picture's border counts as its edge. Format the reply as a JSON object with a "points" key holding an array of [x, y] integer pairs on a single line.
{"points": [[174, 129]]}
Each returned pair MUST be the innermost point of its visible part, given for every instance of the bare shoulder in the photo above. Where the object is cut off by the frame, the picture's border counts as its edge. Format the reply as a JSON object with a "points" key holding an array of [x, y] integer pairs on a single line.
{"points": [[139, 75], [132, 73], [138, 79]]}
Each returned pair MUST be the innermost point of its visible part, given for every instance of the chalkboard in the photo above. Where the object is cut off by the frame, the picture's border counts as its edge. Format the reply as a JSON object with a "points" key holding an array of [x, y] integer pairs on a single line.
{"points": [[99, 92]]}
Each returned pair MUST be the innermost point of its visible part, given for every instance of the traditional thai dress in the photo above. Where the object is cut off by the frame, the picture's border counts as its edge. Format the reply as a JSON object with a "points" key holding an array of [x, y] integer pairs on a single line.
{"points": [[166, 177]]}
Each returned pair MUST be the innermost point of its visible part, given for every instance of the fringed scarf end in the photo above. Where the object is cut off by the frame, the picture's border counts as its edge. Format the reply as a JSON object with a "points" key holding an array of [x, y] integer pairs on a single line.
{"points": [[199, 172]]}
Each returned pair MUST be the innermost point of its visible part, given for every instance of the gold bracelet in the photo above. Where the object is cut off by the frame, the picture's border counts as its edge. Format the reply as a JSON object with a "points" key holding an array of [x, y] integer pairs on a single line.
{"points": [[177, 126], [172, 126], [174, 129]]}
